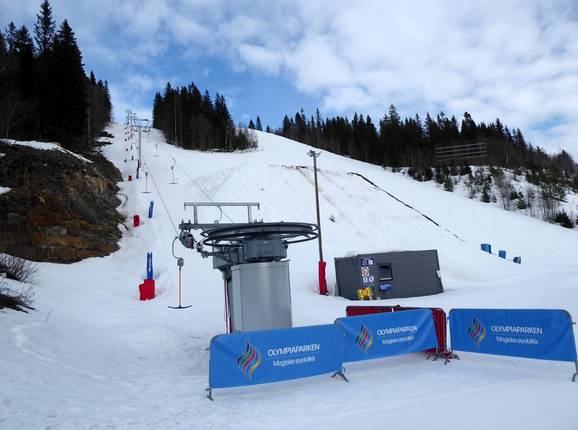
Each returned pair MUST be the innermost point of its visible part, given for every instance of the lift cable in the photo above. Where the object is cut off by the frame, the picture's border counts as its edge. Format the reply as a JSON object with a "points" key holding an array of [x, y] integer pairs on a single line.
{"points": [[162, 200], [195, 183]]}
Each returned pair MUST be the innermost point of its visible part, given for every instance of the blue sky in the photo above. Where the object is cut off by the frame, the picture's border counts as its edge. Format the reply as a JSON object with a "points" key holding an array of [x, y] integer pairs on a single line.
{"points": [[512, 59]]}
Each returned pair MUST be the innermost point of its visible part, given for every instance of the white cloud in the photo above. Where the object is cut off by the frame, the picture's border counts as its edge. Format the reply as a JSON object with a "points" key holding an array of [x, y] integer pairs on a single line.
{"points": [[261, 58]]}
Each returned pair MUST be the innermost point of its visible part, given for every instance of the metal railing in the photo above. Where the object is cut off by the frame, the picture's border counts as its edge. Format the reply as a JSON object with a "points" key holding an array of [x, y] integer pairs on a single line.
{"points": [[461, 152]]}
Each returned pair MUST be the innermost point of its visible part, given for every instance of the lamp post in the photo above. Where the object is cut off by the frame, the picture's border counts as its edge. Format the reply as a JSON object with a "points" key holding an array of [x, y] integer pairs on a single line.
{"points": [[322, 281]]}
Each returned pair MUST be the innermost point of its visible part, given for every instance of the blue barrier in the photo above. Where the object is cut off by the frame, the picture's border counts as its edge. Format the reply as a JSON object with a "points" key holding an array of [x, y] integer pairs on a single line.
{"points": [[486, 247], [382, 335], [529, 333], [260, 357], [151, 205], [502, 253], [149, 265]]}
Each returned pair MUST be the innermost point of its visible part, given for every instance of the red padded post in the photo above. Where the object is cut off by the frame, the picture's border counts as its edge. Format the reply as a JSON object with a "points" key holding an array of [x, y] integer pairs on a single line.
{"points": [[322, 280]]}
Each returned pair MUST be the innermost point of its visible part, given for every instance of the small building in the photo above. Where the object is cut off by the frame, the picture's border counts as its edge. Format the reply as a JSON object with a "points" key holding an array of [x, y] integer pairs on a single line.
{"points": [[388, 275]]}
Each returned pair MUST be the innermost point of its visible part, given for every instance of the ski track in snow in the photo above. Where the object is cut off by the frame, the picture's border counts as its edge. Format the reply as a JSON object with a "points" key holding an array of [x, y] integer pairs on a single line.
{"points": [[92, 356]]}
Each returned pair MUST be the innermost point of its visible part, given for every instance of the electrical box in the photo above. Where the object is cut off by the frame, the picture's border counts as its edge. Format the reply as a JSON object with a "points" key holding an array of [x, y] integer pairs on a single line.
{"points": [[388, 275]]}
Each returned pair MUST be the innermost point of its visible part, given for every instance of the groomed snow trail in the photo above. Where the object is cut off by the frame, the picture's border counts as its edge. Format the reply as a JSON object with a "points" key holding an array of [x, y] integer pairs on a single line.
{"points": [[93, 356]]}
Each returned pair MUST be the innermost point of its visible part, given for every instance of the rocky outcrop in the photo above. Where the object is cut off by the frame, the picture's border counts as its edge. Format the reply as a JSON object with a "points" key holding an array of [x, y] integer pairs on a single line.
{"points": [[60, 208]]}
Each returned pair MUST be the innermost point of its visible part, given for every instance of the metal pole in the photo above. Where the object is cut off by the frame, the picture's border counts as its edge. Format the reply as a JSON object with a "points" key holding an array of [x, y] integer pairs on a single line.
{"points": [[321, 267], [180, 287], [317, 205], [139, 145], [176, 141]]}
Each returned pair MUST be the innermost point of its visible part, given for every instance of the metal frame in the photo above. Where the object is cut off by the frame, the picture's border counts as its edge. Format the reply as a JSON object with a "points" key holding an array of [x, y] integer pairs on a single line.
{"points": [[195, 224], [461, 152]]}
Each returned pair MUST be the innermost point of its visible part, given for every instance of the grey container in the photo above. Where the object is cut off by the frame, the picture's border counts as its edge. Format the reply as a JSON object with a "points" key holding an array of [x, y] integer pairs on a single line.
{"points": [[389, 274], [260, 296]]}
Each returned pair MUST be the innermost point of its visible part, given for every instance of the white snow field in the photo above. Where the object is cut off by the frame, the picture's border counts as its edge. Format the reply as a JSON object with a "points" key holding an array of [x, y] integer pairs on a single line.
{"points": [[93, 356]]}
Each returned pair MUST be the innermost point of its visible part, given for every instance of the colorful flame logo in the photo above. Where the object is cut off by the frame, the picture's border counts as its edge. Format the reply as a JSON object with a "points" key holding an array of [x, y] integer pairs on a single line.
{"points": [[364, 339], [477, 332], [249, 360]]}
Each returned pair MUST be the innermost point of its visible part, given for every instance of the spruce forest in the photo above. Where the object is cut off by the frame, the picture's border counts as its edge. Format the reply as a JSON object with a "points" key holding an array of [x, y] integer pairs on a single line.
{"points": [[193, 121], [411, 142], [44, 92]]}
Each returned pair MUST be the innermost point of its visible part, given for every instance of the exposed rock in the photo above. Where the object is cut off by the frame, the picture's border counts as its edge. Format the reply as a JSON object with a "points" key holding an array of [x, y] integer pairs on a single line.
{"points": [[60, 208]]}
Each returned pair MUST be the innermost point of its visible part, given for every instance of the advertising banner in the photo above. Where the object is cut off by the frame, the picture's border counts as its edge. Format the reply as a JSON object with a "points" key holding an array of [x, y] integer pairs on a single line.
{"points": [[274, 355], [381, 335], [530, 333]]}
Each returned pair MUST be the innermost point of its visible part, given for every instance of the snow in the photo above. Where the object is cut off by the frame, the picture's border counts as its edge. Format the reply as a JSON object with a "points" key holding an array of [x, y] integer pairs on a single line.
{"points": [[93, 356], [4, 190], [519, 184], [45, 146]]}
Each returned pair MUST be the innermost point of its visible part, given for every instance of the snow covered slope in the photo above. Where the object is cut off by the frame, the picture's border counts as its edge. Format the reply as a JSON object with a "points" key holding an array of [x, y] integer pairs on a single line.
{"points": [[93, 356]]}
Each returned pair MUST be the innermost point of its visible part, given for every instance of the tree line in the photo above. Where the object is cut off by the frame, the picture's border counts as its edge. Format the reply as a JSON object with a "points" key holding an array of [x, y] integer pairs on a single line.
{"points": [[193, 120], [411, 142], [44, 92]]}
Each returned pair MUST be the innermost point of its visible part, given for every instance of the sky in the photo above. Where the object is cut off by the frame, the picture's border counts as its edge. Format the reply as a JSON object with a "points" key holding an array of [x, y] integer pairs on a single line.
{"points": [[512, 59]]}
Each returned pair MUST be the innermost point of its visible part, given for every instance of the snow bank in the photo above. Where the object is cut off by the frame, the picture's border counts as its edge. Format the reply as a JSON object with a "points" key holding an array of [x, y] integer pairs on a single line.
{"points": [[45, 146]]}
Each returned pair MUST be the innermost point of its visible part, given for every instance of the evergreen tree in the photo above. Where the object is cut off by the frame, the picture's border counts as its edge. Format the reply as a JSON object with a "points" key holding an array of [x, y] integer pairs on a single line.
{"points": [[11, 37], [24, 50], [36, 87], [258, 124], [468, 130], [563, 219], [486, 192], [196, 122], [64, 93], [3, 49], [44, 28]]}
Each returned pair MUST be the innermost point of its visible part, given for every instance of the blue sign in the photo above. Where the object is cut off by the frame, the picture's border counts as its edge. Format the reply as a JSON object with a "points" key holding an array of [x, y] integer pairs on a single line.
{"points": [[530, 333], [274, 355], [385, 287], [386, 334], [366, 262]]}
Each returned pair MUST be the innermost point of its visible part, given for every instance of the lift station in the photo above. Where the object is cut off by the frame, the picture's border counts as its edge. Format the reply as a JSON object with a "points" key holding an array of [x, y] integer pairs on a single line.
{"points": [[252, 258]]}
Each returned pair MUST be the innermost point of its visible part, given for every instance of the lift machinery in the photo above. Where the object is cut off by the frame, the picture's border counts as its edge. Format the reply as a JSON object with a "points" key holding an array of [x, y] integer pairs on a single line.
{"points": [[252, 258]]}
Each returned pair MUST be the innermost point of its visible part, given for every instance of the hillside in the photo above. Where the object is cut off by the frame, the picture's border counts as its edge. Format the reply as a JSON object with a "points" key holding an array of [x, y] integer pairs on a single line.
{"points": [[61, 206], [93, 355]]}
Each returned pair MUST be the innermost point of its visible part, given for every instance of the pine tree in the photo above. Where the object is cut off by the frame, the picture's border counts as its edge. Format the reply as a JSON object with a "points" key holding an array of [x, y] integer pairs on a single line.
{"points": [[468, 127], [44, 28], [64, 92], [251, 125], [563, 219], [258, 124], [3, 49], [448, 184], [486, 193], [11, 37], [24, 50]]}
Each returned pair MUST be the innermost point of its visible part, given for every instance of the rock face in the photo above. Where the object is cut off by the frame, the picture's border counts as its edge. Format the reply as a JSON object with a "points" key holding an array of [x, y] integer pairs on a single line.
{"points": [[60, 208]]}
